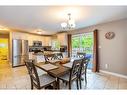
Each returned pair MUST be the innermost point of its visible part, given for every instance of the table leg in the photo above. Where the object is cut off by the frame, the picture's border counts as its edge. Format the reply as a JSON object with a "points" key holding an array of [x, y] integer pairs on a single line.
{"points": [[58, 83]]}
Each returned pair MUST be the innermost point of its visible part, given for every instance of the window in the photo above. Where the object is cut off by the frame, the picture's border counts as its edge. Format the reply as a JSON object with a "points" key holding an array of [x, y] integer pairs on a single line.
{"points": [[55, 44], [82, 43]]}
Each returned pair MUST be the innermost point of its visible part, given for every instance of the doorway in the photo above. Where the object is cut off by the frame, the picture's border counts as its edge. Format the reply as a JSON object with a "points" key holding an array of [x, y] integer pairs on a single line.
{"points": [[83, 43], [4, 53]]}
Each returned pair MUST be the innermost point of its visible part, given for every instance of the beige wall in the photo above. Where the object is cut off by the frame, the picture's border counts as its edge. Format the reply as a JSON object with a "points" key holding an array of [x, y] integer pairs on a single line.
{"points": [[7, 37], [62, 38], [47, 41], [111, 52]]}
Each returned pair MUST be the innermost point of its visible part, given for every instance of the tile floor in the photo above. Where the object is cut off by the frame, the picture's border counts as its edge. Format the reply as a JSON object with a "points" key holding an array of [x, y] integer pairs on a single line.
{"points": [[18, 78]]}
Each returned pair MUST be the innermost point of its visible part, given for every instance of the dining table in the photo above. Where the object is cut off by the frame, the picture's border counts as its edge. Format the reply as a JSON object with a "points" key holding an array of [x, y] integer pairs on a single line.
{"points": [[55, 70]]}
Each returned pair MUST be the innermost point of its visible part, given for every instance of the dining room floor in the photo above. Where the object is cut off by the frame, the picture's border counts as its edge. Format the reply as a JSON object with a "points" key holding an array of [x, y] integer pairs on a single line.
{"points": [[18, 78]]}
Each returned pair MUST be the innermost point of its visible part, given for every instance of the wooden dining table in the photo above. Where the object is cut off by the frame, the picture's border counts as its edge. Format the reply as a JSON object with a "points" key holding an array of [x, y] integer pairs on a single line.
{"points": [[56, 72]]}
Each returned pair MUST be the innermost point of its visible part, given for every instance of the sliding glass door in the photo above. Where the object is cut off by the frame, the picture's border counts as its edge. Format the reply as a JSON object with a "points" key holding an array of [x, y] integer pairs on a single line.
{"points": [[83, 43], [75, 44]]}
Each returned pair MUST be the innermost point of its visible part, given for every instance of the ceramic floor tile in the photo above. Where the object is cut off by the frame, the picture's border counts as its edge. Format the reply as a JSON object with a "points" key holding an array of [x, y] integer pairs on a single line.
{"points": [[18, 78]]}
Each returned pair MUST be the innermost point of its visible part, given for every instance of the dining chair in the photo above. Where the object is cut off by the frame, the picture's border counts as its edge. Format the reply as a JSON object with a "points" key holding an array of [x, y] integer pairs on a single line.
{"points": [[39, 58], [83, 71], [51, 59], [81, 54], [72, 75], [59, 55], [38, 81]]}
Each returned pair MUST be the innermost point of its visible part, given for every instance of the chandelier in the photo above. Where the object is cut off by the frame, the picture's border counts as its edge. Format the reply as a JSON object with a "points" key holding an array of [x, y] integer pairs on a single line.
{"points": [[70, 24]]}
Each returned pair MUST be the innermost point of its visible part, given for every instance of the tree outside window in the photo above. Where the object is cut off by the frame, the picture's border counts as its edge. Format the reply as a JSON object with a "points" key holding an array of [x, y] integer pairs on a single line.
{"points": [[83, 42], [75, 42], [55, 44]]}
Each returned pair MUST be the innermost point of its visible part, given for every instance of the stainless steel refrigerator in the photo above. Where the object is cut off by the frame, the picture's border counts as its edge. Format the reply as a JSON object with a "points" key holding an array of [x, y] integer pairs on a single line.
{"points": [[20, 52]]}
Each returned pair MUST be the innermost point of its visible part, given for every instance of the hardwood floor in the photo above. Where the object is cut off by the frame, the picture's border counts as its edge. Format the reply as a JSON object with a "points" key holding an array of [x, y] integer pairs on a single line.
{"points": [[18, 78]]}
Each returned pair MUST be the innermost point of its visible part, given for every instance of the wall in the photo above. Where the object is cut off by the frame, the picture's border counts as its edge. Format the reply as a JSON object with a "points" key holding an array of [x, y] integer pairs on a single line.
{"points": [[7, 37], [62, 38], [47, 41], [111, 52]]}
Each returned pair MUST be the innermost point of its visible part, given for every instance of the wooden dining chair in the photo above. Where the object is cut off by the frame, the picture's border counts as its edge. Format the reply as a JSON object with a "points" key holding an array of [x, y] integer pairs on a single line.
{"points": [[39, 58], [83, 71], [38, 81], [51, 59], [62, 59], [81, 54], [59, 55], [72, 75]]}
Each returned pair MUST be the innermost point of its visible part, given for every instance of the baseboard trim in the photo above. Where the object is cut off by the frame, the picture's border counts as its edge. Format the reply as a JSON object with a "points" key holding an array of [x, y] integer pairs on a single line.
{"points": [[112, 73]]}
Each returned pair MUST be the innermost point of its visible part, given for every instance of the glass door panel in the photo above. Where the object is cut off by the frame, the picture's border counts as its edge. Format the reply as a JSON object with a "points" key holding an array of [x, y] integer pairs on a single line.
{"points": [[75, 45], [83, 43]]}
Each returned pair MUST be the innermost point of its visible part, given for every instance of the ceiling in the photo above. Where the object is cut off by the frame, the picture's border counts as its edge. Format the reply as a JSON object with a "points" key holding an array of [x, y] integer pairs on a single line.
{"points": [[49, 18]]}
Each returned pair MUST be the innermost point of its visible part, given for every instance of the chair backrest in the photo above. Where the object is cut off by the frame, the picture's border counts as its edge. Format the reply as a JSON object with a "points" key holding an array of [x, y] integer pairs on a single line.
{"points": [[75, 67], [49, 57], [40, 58], [32, 72], [83, 66], [60, 55], [81, 54]]}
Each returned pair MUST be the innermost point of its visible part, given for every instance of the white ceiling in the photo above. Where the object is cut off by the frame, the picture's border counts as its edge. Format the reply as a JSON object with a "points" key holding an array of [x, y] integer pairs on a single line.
{"points": [[48, 18]]}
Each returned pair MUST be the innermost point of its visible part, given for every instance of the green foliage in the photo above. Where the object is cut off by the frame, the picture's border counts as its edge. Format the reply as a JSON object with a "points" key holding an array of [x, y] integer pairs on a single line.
{"points": [[57, 44], [87, 41], [75, 42], [84, 41]]}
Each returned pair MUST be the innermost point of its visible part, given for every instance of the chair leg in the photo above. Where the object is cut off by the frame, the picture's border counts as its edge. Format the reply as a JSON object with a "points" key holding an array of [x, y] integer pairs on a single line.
{"points": [[69, 85], [66, 83], [31, 84], [85, 78], [77, 84], [80, 83]]}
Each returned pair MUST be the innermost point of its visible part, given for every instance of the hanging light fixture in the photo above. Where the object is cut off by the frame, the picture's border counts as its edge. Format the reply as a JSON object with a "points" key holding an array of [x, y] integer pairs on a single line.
{"points": [[39, 31], [70, 24]]}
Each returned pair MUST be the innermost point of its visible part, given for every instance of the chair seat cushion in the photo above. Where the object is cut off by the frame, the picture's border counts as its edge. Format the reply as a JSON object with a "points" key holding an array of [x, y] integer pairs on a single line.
{"points": [[46, 79], [40, 71], [66, 77]]}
